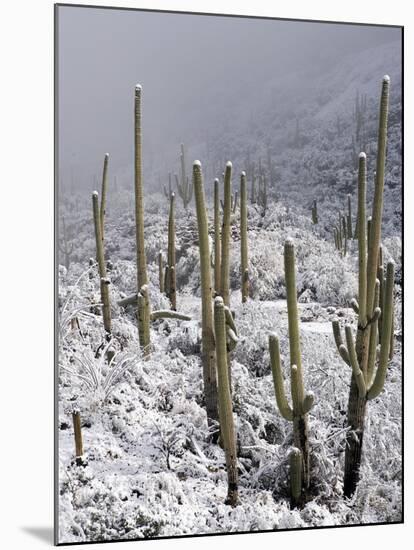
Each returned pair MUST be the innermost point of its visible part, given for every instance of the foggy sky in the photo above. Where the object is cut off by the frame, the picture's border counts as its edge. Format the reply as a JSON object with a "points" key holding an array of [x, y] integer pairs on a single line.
{"points": [[193, 69]]}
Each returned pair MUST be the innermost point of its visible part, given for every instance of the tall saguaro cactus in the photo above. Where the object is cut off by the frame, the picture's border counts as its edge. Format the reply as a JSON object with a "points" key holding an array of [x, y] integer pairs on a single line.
{"points": [[225, 238], [217, 237], [100, 256], [349, 218], [142, 277], [207, 330], [65, 248], [103, 195], [184, 188], [224, 400], [315, 212], [171, 277], [301, 402], [243, 238], [368, 378]]}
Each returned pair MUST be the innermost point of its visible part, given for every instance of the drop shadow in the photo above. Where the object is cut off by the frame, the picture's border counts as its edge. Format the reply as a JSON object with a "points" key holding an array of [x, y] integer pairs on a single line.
{"points": [[44, 534]]}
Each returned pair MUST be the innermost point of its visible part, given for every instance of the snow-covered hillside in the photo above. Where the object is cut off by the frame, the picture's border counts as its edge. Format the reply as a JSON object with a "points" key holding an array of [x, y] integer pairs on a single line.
{"points": [[151, 466]]}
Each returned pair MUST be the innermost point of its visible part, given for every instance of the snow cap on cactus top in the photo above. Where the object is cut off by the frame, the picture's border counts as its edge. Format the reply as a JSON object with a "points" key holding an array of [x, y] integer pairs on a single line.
{"points": [[218, 300], [95, 194], [138, 87], [243, 174], [362, 155], [289, 241], [107, 155], [216, 180], [385, 78], [197, 163], [229, 164]]}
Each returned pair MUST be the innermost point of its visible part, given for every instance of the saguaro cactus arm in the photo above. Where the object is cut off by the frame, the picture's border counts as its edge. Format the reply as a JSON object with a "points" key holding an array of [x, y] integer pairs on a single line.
{"points": [[281, 399], [379, 379]]}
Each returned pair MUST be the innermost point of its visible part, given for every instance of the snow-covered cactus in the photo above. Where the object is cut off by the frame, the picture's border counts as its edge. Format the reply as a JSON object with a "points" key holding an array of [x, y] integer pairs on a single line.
{"points": [[301, 402], [103, 194], [65, 247], [225, 238], [243, 238], [77, 428], [161, 271], [217, 237], [170, 191], [360, 352], [349, 218], [100, 256], [262, 193], [315, 212], [144, 317], [184, 188], [207, 329], [142, 277], [170, 288], [227, 429]]}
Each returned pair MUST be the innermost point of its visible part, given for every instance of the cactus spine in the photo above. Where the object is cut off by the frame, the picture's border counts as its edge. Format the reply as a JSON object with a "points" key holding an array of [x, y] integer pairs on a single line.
{"points": [[315, 212], [225, 238], [103, 195], [100, 256], [224, 400], [142, 277], [217, 237], [243, 238], [367, 381], [301, 402], [171, 277], [185, 188], [207, 331]]}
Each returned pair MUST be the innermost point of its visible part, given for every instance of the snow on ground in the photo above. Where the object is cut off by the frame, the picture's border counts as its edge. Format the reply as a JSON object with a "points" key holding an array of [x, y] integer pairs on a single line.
{"points": [[151, 469]]}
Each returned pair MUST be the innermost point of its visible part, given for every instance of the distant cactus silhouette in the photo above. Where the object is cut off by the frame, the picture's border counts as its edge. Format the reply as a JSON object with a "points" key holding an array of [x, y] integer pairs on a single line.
{"points": [[243, 238]]}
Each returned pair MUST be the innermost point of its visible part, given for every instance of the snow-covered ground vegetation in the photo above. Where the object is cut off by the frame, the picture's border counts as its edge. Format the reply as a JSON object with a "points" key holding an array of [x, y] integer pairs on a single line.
{"points": [[152, 464]]}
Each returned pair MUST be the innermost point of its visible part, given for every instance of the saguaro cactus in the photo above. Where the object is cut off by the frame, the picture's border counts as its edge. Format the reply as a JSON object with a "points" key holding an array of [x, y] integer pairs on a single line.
{"points": [[160, 271], [207, 330], [315, 212], [142, 277], [243, 238], [65, 248], [185, 188], [170, 191], [100, 256], [367, 379], [301, 402], [225, 238], [217, 237], [171, 277], [349, 218], [224, 399], [103, 195]]}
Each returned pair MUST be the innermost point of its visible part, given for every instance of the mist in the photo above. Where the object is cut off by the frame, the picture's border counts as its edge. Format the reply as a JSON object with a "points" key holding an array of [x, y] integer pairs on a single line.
{"points": [[199, 74]]}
